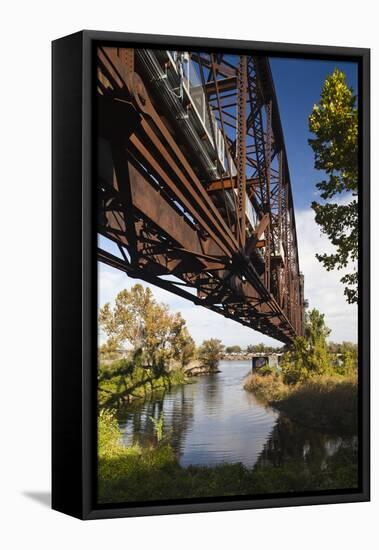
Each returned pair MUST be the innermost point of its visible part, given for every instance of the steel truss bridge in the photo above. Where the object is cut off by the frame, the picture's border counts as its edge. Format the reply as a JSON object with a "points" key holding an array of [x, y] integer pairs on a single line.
{"points": [[194, 190]]}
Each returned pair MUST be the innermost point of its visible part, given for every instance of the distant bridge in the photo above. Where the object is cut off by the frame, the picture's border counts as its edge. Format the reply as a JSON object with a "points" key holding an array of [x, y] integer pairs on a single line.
{"points": [[193, 183]]}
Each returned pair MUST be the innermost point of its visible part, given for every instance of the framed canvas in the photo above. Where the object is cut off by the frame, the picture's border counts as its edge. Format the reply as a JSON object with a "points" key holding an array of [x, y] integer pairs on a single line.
{"points": [[210, 275]]}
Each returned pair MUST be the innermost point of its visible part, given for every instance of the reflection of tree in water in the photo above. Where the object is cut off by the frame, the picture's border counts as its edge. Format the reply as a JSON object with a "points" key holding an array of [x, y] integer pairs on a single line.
{"points": [[181, 417], [291, 441], [212, 392], [135, 421], [178, 415], [316, 457]]}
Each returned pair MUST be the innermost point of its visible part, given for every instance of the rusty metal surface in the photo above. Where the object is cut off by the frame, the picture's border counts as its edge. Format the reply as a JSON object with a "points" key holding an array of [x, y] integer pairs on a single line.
{"points": [[175, 206]]}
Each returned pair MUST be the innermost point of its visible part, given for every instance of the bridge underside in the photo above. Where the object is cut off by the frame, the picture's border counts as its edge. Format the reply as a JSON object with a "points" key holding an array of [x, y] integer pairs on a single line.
{"points": [[174, 210]]}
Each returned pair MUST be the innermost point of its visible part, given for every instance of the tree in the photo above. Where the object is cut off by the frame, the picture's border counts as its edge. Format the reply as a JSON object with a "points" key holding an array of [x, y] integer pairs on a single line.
{"points": [[210, 353], [348, 363], [256, 348], [233, 349], [309, 355], [334, 347], [345, 357], [139, 320], [109, 349], [261, 348], [181, 341], [315, 330], [334, 122]]}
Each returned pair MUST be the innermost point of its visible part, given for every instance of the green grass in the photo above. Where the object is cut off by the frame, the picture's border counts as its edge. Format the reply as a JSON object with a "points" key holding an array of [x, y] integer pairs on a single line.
{"points": [[154, 474], [326, 403]]}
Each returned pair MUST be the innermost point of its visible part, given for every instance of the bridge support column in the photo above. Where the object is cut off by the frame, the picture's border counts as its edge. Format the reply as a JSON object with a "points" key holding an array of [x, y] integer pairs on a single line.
{"points": [[258, 362]]}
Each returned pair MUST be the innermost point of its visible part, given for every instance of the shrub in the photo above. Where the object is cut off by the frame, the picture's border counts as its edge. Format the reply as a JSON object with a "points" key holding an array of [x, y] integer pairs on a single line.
{"points": [[270, 387], [109, 435], [327, 403], [266, 370], [158, 426], [210, 353], [177, 377], [309, 355]]}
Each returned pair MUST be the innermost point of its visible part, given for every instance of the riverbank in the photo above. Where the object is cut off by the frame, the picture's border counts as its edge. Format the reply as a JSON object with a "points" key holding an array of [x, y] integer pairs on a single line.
{"points": [[325, 403], [197, 369], [122, 382], [133, 473]]}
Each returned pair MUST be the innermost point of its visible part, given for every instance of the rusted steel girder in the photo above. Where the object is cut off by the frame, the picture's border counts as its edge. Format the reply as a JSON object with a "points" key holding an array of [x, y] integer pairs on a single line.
{"points": [[174, 208], [241, 147]]}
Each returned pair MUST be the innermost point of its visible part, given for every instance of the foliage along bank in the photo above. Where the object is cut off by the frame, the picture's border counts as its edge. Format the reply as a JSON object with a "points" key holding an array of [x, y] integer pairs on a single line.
{"points": [[316, 387], [161, 349]]}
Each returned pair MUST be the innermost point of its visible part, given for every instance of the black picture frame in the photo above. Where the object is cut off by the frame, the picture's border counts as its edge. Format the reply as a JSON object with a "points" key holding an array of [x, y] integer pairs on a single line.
{"points": [[74, 332]]}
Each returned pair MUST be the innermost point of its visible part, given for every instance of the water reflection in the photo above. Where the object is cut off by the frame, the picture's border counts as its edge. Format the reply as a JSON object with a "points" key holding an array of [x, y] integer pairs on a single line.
{"points": [[211, 421], [289, 442], [177, 407], [215, 420], [296, 458]]}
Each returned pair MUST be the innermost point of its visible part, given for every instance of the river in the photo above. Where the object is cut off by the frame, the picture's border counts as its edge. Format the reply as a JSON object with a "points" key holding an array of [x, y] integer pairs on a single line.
{"points": [[214, 420]]}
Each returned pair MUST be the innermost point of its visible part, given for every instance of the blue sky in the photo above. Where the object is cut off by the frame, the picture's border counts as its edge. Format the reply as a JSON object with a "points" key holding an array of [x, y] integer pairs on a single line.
{"points": [[298, 85]]}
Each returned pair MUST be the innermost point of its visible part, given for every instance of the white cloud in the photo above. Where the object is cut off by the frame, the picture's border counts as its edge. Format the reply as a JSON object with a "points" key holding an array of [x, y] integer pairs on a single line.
{"points": [[322, 289]]}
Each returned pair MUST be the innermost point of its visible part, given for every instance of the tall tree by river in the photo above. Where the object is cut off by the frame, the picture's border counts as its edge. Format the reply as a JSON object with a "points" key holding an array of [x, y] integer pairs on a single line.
{"points": [[334, 122], [139, 320]]}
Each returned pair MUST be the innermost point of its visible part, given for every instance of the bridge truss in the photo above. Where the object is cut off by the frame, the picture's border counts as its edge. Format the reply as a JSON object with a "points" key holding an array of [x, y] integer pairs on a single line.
{"points": [[194, 191]]}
